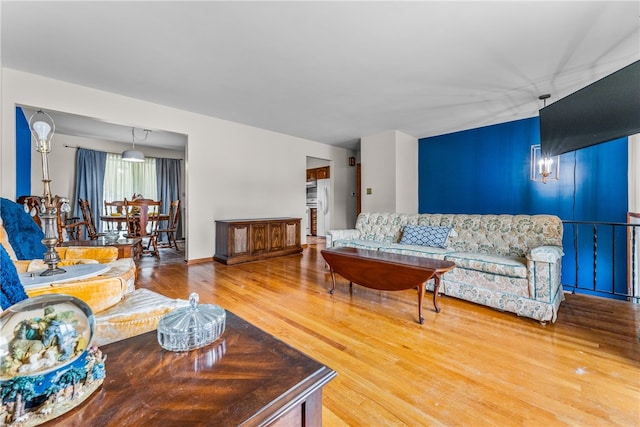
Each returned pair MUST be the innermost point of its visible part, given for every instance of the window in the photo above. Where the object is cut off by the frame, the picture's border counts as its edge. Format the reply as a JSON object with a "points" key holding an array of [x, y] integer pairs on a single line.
{"points": [[124, 179]]}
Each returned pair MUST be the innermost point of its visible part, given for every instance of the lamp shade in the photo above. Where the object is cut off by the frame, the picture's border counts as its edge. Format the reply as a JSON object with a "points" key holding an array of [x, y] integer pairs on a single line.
{"points": [[42, 129], [133, 156]]}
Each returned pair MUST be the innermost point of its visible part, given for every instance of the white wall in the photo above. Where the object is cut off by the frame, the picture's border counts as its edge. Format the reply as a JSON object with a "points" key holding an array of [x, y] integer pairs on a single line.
{"points": [[313, 163], [390, 169], [232, 170], [406, 173], [378, 154]]}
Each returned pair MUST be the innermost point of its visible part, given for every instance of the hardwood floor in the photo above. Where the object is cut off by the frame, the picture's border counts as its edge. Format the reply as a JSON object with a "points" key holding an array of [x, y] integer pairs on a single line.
{"points": [[468, 365]]}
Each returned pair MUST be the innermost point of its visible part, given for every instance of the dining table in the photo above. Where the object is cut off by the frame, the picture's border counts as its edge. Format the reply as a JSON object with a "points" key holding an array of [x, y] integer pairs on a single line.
{"points": [[120, 220]]}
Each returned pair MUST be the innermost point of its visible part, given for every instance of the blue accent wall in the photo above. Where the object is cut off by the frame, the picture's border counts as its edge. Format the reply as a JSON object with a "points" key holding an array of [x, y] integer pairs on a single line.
{"points": [[486, 170], [23, 155]]}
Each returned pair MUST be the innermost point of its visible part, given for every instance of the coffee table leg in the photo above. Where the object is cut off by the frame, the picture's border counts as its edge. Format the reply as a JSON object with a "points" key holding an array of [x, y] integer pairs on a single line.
{"points": [[333, 281], [436, 288], [421, 289]]}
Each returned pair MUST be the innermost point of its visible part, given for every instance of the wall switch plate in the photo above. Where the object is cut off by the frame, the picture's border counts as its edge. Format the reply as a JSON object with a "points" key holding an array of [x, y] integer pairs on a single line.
{"points": [[368, 190]]}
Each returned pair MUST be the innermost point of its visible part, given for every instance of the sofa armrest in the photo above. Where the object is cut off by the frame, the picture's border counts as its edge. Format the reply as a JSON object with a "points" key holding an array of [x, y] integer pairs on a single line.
{"points": [[550, 254], [70, 256], [543, 272], [102, 254], [99, 292], [347, 234]]}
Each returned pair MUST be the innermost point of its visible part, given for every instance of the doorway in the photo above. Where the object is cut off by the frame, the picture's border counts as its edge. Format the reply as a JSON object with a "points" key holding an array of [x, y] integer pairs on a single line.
{"points": [[319, 202]]}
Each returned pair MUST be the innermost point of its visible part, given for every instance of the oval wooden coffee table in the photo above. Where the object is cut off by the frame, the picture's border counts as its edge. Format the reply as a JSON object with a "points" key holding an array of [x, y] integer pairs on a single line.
{"points": [[387, 271]]}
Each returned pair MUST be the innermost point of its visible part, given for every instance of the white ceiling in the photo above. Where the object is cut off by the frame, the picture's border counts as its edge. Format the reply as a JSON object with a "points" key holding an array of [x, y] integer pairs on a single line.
{"points": [[328, 71]]}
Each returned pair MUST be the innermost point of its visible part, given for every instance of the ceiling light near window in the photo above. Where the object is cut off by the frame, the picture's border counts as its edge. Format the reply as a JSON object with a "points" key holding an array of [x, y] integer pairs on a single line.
{"points": [[134, 155]]}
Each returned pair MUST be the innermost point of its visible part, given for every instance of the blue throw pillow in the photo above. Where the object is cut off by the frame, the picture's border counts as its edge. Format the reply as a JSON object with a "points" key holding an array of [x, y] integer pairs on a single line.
{"points": [[12, 291], [425, 235], [24, 234]]}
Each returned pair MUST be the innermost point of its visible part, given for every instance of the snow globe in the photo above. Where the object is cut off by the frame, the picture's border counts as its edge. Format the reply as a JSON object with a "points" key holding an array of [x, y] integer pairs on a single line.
{"points": [[47, 363]]}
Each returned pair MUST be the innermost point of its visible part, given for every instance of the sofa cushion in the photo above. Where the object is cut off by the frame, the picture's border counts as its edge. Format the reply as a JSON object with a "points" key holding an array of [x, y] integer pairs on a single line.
{"points": [[416, 250], [425, 235], [24, 234], [359, 243], [138, 312], [494, 264], [11, 290], [382, 227]]}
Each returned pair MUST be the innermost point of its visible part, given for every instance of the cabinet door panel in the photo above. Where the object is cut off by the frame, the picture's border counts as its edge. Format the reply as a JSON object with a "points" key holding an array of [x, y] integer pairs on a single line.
{"points": [[276, 238], [291, 234], [239, 240], [259, 238], [314, 221], [311, 175]]}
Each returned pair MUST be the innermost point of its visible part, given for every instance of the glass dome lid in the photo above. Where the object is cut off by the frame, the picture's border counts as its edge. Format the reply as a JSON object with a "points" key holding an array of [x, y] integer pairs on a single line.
{"points": [[191, 327]]}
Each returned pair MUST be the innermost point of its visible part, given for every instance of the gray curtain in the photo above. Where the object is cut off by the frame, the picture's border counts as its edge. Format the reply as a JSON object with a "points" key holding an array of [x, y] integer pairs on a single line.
{"points": [[169, 177], [90, 169]]}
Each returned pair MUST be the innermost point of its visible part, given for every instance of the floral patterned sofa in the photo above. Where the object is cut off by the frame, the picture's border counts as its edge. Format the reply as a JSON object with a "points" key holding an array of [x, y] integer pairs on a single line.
{"points": [[508, 262]]}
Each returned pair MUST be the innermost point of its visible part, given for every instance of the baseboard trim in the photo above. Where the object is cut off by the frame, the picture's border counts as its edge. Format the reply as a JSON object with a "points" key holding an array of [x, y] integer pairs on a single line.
{"points": [[198, 260]]}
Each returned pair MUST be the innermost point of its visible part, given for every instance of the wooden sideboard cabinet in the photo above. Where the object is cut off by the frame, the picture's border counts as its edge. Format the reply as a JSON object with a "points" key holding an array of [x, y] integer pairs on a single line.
{"points": [[243, 240]]}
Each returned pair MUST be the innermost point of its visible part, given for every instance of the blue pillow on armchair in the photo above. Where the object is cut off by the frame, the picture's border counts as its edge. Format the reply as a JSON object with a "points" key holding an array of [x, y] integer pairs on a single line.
{"points": [[11, 290], [24, 234]]}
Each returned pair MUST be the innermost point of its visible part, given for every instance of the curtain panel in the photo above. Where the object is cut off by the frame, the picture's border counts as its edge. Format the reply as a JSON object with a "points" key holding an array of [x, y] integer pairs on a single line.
{"points": [[169, 177], [124, 179], [90, 172]]}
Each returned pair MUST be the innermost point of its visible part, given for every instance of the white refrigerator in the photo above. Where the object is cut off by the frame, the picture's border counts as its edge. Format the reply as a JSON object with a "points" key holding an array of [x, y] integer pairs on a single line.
{"points": [[323, 222]]}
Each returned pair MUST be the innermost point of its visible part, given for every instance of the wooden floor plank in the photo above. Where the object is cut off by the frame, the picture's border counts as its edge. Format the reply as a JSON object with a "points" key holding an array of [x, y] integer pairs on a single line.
{"points": [[468, 365]]}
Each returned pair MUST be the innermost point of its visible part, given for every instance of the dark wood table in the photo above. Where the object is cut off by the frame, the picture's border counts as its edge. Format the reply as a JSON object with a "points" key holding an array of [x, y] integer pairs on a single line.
{"points": [[121, 220], [127, 248], [247, 377], [387, 271]]}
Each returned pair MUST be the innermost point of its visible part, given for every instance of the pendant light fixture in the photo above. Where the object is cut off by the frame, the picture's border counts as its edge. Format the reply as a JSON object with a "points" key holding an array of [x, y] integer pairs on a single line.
{"points": [[134, 155], [543, 167]]}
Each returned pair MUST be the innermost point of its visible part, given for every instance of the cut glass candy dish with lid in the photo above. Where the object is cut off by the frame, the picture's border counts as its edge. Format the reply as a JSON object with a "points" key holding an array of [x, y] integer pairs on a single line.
{"points": [[191, 327]]}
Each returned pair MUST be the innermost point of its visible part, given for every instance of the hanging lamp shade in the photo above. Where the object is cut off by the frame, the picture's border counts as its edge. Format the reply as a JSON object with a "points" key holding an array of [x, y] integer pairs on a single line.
{"points": [[134, 155]]}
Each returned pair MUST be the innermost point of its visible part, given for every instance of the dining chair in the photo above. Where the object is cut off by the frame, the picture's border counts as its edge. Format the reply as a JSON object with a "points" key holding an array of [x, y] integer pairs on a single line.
{"points": [[115, 208], [142, 221], [90, 223], [172, 225], [67, 227], [31, 206]]}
